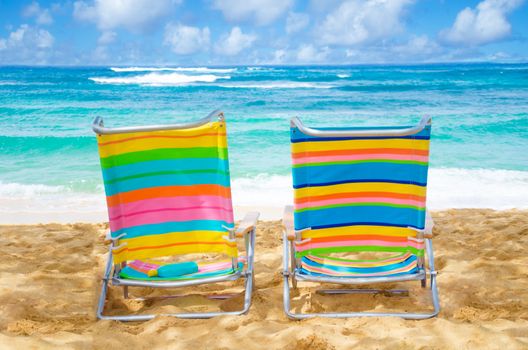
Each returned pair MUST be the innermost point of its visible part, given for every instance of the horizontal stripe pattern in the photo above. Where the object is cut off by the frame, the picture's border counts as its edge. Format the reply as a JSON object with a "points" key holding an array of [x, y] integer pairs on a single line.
{"points": [[168, 192], [359, 194], [317, 266]]}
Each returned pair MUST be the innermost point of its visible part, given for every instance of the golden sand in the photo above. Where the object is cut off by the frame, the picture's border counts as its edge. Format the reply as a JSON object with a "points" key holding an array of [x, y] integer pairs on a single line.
{"points": [[49, 285]]}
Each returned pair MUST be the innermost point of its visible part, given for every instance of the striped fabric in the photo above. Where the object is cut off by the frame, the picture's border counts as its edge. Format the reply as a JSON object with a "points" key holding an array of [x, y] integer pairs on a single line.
{"points": [[168, 192], [205, 270], [359, 194]]}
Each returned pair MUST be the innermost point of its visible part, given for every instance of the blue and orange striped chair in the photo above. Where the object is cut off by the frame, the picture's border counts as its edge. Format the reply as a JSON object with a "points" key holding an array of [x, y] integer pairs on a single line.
{"points": [[168, 193], [359, 191]]}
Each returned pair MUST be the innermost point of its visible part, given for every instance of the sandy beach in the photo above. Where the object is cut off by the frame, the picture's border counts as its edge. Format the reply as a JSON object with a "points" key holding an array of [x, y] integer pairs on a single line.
{"points": [[49, 284]]}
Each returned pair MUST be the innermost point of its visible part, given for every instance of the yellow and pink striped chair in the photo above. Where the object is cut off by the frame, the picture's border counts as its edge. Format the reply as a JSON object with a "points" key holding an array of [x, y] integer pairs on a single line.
{"points": [[168, 193]]}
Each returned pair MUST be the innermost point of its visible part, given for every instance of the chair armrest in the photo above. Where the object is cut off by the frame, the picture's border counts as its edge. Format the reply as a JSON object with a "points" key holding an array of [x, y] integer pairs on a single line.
{"points": [[247, 224], [287, 222], [429, 224]]}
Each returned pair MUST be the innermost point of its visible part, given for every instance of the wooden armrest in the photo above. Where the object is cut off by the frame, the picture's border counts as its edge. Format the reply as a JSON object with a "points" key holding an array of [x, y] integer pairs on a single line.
{"points": [[287, 222], [247, 224], [429, 224]]}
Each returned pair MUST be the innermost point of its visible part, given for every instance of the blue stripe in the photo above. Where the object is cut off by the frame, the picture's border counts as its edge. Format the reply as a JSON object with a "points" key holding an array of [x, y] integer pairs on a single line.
{"points": [[390, 172], [167, 227], [389, 216], [348, 269], [297, 136], [166, 180], [357, 181], [164, 165]]}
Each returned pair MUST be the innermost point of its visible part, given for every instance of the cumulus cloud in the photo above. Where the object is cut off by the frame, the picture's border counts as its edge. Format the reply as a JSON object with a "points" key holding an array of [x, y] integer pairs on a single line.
{"points": [[296, 21], [106, 37], [135, 15], [485, 24], [309, 54], [42, 15], [417, 46], [233, 43], [186, 40], [357, 22], [26, 44], [261, 11]]}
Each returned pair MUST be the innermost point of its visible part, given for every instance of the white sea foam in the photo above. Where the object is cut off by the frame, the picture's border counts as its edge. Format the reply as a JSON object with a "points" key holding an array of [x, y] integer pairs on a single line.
{"points": [[448, 188], [171, 69], [277, 85], [157, 79], [342, 76]]}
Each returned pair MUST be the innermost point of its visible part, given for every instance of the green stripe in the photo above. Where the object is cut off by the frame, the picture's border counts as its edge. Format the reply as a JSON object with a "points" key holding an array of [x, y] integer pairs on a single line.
{"points": [[359, 249], [351, 162], [163, 153], [364, 204], [168, 172]]}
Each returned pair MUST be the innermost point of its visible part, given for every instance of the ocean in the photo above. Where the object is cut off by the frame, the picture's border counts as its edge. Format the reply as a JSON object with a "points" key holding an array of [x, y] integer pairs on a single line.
{"points": [[49, 166]]}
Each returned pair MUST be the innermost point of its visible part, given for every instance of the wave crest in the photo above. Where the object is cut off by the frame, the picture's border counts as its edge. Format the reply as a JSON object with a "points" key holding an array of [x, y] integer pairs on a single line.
{"points": [[157, 79]]}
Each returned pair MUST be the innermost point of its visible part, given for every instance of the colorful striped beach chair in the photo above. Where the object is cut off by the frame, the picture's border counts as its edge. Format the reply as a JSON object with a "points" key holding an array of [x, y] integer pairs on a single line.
{"points": [[168, 194], [359, 214]]}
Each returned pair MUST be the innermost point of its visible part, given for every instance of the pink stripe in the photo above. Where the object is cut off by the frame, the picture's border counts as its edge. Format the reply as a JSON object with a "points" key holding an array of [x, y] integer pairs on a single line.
{"points": [[157, 217], [339, 158], [360, 200], [130, 209], [219, 266], [348, 243]]}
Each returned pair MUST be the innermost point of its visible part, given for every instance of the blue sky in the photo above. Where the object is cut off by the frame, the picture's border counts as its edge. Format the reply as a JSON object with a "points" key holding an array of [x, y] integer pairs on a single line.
{"points": [[258, 32]]}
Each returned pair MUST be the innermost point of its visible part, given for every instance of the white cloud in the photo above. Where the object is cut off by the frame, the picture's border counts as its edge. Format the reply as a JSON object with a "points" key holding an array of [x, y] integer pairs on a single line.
{"points": [[106, 37], [135, 15], [309, 54], [233, 43], [26, 44], [485, 24], [417, 47], [185, 40], [296, 22], [42, 15], [357, 22], [261, 11], [26, 36]]}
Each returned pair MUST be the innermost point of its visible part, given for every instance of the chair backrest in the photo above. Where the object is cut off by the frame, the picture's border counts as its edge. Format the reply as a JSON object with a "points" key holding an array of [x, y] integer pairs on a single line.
{"points": [[359, 193], [168, 191]]}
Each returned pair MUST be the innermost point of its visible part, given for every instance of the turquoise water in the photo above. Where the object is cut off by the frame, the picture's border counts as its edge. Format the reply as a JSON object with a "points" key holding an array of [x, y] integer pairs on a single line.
{"points": [[480, 115]]}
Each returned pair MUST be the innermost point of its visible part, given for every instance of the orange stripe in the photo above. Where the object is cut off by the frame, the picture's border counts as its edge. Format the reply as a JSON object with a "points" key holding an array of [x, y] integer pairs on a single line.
{"points": [[359, 195], [177, 244], [158, 137], [168, 191], [361, 151]]}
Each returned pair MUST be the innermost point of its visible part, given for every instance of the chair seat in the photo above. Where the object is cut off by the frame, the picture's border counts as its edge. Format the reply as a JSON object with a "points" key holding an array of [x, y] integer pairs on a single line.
{"points": [[205, 270], [402, 264]]}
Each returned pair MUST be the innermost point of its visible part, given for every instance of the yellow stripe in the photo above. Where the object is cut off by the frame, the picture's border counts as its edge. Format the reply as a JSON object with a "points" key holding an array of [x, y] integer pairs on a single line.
{"points": [[175, 237], [151, 143], [324, 261], [175, 250], [360, 187], [359, 230], [301, 147], [206, 128]]}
